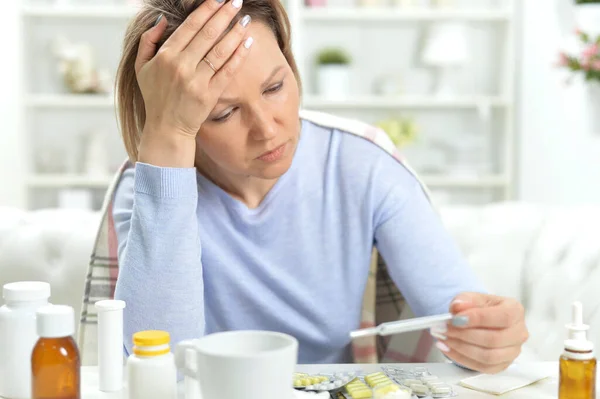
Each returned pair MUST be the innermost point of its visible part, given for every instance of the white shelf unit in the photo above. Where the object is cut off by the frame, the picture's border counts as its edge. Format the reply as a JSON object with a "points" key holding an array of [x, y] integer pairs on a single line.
{"points": [[69, 101], [79, 11], [63, 180], [374, 15], [383, 102], [502, 17], [301, 16]]}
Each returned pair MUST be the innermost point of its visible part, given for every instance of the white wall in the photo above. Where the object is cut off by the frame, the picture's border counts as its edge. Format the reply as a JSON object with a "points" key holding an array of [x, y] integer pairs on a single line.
{"points": [[559, 159], [11, 164], [559, 155]]}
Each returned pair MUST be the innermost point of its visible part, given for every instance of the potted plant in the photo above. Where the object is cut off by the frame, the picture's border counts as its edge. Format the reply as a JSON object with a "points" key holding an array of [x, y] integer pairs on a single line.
{"points": [[585, 64], [333, 72]]}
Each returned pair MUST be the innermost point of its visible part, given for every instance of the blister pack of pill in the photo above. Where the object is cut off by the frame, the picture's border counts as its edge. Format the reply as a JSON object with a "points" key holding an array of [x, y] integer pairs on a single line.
{"points": [[420, 381], [395, 383], [322, 382]]}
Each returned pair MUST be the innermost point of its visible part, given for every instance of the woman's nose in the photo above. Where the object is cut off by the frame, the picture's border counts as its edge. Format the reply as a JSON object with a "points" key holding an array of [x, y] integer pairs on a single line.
{"points": [[264, 127]]}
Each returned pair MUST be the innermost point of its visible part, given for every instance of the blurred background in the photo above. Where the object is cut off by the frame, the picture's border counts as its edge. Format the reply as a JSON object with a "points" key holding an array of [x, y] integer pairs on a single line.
{"points": [[495, 103], [480, 95]]}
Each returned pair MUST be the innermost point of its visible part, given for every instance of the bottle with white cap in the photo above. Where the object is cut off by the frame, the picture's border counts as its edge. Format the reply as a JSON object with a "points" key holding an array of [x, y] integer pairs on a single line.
{"points": [[110, 344], [55, 361], [577, 366], [18, 335], [151, 370]]}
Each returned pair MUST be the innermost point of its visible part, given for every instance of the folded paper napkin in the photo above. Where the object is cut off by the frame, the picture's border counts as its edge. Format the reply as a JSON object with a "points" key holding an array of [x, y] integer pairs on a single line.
{"points": [[514, 377]]}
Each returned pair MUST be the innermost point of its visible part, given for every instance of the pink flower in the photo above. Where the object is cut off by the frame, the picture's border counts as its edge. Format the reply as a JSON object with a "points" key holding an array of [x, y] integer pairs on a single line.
{"points": [[563, 60], [596, 65], [591, 51]]}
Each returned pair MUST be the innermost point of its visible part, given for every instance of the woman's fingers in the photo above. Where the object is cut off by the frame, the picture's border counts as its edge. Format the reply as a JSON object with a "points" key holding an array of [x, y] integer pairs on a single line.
{"points": [[176, 93], [222, 51], [482, 359], [209, 36], [148, 41], [490, 338], [474, 364], [196, 21], [223, 76]]}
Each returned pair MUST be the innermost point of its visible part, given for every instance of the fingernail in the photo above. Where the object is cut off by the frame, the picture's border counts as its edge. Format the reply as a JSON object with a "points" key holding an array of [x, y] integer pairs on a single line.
{"points": [[248, 42], [220, 1], [245, 21], [236, 3], [442, 346], [460, 321], [438, 335], [458, 301], [158, 19]]}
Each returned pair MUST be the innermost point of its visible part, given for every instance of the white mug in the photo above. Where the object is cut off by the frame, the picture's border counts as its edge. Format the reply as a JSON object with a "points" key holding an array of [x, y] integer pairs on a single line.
{"points": [[241, 364]]}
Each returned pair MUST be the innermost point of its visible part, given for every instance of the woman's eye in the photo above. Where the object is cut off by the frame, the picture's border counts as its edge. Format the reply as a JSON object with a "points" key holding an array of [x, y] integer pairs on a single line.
{"points": [[274, 88], [223, 118]]}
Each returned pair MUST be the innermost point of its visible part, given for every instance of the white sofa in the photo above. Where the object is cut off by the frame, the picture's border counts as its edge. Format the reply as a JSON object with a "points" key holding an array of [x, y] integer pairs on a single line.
{"points": [[544, 256]]}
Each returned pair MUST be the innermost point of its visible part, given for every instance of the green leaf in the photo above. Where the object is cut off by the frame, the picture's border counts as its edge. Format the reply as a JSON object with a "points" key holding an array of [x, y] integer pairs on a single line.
{"points": [[331, 55]]}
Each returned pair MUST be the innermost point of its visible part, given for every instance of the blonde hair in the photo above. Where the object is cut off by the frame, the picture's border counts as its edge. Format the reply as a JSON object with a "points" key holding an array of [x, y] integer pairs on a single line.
{"points": [[130, 103]]}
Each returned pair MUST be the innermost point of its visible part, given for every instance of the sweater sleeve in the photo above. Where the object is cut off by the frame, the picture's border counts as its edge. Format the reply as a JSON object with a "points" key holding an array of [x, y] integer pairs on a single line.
{"points": [[160, 269], [422, 258]]}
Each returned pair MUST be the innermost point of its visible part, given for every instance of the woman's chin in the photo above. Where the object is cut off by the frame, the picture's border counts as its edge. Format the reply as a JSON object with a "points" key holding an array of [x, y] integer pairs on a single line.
{"points": [[274, 170]]}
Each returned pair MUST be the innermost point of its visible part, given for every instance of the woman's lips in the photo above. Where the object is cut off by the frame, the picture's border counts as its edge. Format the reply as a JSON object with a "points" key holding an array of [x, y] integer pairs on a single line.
{"points": [[273, 155]]}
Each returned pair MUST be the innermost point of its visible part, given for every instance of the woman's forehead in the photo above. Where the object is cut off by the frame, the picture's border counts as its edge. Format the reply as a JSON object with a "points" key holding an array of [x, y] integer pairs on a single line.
{"points": [[263, 63]]}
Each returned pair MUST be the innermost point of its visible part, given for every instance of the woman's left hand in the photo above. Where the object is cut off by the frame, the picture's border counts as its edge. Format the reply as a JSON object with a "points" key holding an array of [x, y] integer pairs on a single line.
{"points": [[491, 333]]}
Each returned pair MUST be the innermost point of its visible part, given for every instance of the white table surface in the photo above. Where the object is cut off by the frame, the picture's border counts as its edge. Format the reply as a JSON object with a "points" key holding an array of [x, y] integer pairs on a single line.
{"points": [[449, 373]]}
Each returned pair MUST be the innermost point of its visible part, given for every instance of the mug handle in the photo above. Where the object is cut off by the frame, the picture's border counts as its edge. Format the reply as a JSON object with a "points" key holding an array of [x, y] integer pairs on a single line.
{"points": [[186, 357]]}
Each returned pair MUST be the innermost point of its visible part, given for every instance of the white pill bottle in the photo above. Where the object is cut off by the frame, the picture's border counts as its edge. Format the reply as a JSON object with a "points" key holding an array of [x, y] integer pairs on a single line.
{"points": [[18, 335], [151, 370]]}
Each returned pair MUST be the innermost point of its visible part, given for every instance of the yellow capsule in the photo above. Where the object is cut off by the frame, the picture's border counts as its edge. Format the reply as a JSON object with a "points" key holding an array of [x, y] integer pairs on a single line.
{"points": [[362, 393], [355, 383], [377, 380]]}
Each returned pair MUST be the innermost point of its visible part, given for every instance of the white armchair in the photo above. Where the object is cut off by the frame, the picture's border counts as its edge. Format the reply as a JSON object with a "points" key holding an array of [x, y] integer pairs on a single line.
{"points": [[52, 245], [546, 256]]}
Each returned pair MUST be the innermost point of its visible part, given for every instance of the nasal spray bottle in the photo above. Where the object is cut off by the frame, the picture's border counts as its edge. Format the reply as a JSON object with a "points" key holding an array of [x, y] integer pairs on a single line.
{"points": [[577, 378]]}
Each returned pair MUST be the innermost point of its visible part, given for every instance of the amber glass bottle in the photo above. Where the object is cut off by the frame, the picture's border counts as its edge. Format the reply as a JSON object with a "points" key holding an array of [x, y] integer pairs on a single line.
{"points": [[577, 378], [55, 361], [577, 364]]}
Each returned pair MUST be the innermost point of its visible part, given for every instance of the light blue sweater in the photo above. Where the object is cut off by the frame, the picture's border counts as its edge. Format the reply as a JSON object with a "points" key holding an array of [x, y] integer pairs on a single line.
{"points": [[193, 260]]}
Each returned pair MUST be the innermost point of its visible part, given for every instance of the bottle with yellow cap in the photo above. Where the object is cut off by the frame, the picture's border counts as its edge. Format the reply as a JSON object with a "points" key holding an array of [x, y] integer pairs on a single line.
{"points": [[151, 370]]}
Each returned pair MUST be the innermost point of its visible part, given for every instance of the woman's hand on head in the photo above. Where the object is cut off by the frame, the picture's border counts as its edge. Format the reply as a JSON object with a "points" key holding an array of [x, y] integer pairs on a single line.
{"points": [[489, 335], [179, 87]]}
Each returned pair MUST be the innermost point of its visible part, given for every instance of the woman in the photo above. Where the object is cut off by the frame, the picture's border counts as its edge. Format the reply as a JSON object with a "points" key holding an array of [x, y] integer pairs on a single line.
{"points": [[240, 213]]}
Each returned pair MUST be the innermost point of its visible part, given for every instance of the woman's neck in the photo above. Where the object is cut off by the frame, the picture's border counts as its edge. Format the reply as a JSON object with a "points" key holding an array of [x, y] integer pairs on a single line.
{"points": [[248, 189]]}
